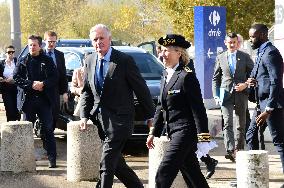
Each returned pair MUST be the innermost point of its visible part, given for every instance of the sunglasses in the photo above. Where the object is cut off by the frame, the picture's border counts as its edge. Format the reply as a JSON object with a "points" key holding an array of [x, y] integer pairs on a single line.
{"points": [[10, 52]]}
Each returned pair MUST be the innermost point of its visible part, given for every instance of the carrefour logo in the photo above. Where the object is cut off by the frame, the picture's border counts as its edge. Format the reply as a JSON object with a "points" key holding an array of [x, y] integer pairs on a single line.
{"points": [[214, 18]]}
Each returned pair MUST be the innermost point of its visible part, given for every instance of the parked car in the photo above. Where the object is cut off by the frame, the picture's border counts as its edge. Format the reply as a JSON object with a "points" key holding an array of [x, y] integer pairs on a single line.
{"points": [[72, 43], [150, 69]]}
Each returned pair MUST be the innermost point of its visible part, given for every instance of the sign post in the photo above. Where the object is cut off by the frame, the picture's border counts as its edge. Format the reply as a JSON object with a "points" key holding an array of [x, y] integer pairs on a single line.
{"points": [[209, 35]]}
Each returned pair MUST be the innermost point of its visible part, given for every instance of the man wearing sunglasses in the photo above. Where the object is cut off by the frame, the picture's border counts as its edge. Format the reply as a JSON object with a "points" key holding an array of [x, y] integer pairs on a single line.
{"points": [[50, 38]]}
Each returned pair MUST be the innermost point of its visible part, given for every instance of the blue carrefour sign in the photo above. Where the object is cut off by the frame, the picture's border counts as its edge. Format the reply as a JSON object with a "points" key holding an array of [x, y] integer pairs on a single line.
{"points": [[209, 35]]}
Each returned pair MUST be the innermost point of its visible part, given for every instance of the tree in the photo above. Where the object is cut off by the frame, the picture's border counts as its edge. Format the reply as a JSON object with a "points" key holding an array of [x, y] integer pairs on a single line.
{"points": [[38, 16], [5, 29], [238, 17]]}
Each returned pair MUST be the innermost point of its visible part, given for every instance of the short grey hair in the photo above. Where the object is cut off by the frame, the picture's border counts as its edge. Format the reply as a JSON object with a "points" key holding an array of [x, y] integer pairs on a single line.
{"points": [[100, 26]]}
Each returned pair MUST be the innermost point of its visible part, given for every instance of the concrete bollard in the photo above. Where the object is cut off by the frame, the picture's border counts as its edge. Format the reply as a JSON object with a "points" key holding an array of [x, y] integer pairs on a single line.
{"points": [[84, 150], [17, 147], [155, 158], [252, 169]]}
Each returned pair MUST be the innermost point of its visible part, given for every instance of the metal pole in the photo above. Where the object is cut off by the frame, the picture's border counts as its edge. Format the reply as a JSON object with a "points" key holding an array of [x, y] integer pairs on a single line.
{"points": [[15, 25]]}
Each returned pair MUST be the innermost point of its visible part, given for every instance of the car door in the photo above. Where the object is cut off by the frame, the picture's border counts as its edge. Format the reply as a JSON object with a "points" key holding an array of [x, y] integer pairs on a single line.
{"points": [[149, 47]]}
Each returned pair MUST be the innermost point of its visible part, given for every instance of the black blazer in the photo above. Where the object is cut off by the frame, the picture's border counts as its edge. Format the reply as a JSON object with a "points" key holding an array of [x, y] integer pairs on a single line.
{"points": [[117, 100], [61, 70], [2, 66], [180, 104]]}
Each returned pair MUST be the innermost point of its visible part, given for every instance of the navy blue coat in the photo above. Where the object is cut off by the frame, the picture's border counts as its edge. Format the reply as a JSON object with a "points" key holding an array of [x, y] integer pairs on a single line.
{"points": [[45, 71], [181, 104], [268, 71]]}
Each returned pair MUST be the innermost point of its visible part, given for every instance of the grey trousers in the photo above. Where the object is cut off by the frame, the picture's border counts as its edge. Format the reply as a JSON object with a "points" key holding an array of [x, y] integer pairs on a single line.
{"points": [[239, 103]]}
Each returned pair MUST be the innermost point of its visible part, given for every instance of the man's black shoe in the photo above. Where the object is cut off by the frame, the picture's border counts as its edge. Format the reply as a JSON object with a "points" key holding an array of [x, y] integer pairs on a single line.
{"points": [[52, 164], [211, 168], [98, 184], [231, 157]]}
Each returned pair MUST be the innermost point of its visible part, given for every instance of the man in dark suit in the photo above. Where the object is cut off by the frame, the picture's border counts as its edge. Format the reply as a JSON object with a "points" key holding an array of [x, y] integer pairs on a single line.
{"points": [[232, 69], [107, 99], [266, 80], [181, 112], [50, 38], [36, 74]]}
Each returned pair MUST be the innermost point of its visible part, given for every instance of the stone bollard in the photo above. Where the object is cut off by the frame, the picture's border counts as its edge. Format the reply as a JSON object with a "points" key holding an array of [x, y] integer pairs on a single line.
{"points": [[155, 158], [84, 150], [252, 169], [17, 147]]}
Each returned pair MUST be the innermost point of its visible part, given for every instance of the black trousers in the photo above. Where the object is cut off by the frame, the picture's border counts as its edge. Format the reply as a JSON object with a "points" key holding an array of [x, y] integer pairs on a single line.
{"points": [[276, 128], [180, 155], [112, 162], [9, 95], [39, 106]]}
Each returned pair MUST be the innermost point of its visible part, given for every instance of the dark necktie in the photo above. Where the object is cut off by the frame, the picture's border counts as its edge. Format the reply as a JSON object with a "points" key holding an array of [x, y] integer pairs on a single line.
{"points": [[100, 75], [50, 55]]}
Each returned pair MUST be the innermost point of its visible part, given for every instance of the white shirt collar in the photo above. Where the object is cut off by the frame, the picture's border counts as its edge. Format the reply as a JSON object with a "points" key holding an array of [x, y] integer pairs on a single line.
{"points": [[170, 72]]}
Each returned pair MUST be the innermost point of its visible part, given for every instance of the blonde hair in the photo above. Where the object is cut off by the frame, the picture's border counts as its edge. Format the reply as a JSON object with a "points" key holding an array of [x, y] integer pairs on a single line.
{"points": [[184, 58]]}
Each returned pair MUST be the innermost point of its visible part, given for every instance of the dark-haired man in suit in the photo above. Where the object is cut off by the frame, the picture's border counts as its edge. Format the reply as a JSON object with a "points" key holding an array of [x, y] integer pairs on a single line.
{"points": [[50, 38], [232, 68], [111, 78], [36, 75], [267, 76]]}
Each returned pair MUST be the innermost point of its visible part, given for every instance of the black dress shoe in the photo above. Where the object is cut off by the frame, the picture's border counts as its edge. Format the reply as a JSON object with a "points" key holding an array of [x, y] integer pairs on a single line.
{"points": [[211, 168], [230, 156], [98, 184], [52, 164]]}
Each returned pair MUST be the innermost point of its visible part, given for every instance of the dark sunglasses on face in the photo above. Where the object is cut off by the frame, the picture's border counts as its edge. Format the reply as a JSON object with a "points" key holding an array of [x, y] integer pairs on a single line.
{"points": [[10, 52]]}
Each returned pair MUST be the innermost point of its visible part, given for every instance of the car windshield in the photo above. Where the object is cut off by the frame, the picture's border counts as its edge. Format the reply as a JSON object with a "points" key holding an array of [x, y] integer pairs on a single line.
{"points": [[72, 60], [148, 65]]}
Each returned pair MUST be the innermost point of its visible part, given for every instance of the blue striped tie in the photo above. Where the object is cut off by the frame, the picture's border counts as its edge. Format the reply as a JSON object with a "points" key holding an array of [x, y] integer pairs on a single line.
{"points": [[231, 64], [100, 75]]}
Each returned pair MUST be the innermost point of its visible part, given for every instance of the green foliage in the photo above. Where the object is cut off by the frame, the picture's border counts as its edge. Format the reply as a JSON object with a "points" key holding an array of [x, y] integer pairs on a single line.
{"points": [[38, 16], [5, 29], [134, 21], [240, 14]]}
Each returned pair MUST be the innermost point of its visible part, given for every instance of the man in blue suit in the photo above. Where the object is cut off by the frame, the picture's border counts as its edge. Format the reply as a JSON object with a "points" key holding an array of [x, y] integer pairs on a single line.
{"points": [[266, 81]]}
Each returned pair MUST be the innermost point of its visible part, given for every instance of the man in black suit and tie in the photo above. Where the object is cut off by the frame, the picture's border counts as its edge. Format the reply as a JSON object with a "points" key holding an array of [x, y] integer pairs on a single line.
{"points": [[266, 80], [50, 38], [107, 99]]}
